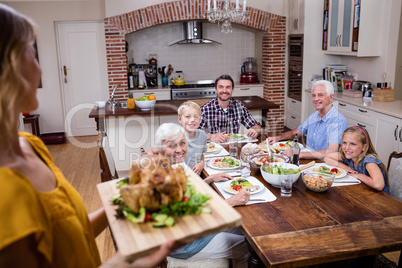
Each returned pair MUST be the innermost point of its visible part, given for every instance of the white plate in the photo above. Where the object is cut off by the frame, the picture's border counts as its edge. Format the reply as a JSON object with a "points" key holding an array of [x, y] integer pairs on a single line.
{"points": [[212, 161], [343, 173], [241, 137], [252, 180], [276, 145], [217, 148]]}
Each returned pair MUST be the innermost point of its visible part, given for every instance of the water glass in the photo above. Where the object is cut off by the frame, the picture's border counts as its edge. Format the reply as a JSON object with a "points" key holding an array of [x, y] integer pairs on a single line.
{"points": [[245, 171], [286, 186], [233, 146]]}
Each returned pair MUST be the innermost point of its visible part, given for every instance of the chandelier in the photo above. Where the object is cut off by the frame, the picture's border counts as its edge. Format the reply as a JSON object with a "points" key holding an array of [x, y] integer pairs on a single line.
{"points": [[227, 15]]}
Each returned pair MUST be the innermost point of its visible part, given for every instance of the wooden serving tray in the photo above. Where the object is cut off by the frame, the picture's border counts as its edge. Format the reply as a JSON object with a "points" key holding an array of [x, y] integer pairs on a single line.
{"points": [[135, 240]]}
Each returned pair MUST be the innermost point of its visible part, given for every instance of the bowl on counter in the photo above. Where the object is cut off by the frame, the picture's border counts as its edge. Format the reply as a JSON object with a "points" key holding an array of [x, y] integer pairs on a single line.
{"points": [[275, 179], [317, 181], [145, 105], [100, 104]]}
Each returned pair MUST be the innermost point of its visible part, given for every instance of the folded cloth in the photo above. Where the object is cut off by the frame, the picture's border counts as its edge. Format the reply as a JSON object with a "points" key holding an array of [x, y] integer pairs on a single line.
{"points": [[264, 196], [347, 180], [222, 152]]}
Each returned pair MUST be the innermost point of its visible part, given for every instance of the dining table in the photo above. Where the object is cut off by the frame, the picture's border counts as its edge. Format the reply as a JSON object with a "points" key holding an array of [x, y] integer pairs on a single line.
{"points": [[312, 228]]}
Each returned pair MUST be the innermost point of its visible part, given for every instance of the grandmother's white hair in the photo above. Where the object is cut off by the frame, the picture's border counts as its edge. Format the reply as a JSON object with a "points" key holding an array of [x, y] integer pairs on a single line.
{"points": [[167, 131], [329, 87]]}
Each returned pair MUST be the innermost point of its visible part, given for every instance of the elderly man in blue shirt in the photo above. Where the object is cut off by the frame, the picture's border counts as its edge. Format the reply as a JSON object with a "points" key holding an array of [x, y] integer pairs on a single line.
{"points": [[324, 128]]}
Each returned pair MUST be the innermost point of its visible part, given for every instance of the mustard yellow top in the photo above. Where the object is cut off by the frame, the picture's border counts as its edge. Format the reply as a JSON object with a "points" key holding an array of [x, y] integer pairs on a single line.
{"points": [[58, 219]]}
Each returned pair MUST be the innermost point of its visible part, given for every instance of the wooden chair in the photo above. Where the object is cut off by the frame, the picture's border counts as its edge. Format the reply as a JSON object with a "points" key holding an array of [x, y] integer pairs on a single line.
{"points": [[107, 164], [395, 174]]}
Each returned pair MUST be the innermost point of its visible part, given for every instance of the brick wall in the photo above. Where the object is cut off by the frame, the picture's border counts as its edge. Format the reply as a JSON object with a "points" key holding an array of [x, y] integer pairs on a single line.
{"points": [[273, 46]]}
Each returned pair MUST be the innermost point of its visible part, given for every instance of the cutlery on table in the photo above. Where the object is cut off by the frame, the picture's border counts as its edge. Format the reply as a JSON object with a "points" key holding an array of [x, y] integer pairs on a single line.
{"points": [[257, 199]]}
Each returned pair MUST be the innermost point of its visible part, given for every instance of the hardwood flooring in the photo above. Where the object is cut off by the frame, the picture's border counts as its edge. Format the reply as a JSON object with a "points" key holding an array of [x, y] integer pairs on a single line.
{"points": [[81, 168], [80, 165]]}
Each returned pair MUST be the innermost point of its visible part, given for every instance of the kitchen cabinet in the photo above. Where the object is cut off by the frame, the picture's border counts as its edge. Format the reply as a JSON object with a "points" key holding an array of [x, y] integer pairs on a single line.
{"points": [[353, 29], [358, 116], [296, 16], [388, 135], [160, 95], [293, 113], [248, 90]]}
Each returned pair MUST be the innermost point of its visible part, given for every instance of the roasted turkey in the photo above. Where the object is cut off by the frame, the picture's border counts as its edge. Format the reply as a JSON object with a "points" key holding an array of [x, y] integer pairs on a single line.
{"points": [[153, 182]]}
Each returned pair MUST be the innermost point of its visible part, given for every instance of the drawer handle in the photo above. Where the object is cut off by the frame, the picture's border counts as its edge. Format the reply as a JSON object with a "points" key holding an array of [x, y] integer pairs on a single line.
{"points": [[363, 111], [246, 88], [400, 135], [293, 101], [360, 125], [341, 104], [293, 117], [396, 129], [149, 93]]}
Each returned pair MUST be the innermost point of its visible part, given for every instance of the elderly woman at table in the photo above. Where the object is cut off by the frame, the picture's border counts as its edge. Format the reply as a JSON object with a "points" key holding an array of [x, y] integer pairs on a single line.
{"points": [[170, 140]]}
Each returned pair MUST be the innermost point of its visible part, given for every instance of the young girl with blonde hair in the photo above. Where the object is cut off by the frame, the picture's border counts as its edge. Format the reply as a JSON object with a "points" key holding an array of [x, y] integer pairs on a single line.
{"points": [[359, 159]]}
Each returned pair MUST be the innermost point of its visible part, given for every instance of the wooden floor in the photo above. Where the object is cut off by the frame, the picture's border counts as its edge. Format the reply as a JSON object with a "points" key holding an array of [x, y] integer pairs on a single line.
{"points": [[81, 168], [80, 165]]}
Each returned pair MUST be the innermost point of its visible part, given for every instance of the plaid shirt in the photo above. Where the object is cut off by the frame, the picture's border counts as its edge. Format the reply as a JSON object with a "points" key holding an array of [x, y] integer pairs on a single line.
{"points": [[229, 120]]}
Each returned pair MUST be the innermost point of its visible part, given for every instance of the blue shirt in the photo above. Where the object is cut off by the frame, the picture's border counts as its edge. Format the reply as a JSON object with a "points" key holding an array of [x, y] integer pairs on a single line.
{"points": [[322, 132], [361, 168]]}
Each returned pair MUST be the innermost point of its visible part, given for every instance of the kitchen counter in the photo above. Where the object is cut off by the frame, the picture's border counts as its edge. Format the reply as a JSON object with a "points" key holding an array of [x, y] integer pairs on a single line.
{"points": [[392, 108]]}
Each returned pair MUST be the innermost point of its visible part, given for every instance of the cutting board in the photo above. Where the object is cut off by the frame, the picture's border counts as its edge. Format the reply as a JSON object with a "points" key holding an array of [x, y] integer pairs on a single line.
{"points": [[135, 240]]}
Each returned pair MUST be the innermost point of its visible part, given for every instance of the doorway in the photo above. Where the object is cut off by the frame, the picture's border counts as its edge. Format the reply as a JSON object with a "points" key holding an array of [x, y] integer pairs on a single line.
{"points": [[83, 73]]}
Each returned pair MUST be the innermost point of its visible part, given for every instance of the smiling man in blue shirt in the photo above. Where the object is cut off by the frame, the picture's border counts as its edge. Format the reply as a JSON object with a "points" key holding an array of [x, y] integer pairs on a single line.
{"points": [[324, 128]]}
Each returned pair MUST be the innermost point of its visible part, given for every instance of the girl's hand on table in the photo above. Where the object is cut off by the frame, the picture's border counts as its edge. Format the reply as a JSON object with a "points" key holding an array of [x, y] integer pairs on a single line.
{"points": [[239, 199], [198, 167]]}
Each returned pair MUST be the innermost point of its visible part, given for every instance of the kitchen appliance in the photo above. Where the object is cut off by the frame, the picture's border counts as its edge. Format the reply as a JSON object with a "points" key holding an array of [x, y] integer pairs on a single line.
{"points": [[193, 34], [150, 72], [295, 72], [360, 85], [296, 47], [194, 90], [248, 72]]}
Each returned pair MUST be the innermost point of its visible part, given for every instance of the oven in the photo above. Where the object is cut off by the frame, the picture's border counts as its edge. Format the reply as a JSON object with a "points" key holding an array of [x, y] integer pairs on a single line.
{"points": [[296, 47], [295, 80], [194, 90]]}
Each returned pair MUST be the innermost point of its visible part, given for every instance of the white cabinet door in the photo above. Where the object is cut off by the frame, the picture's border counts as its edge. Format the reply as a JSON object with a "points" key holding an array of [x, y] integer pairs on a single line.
{"points": [[340, 25], [388, 136], [293, 113], [296, 16], [244, 91]]}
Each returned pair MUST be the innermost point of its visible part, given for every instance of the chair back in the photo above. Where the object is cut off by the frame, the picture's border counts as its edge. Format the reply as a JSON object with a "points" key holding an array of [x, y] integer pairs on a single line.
{"points": [[395, 174], [106, 160]]}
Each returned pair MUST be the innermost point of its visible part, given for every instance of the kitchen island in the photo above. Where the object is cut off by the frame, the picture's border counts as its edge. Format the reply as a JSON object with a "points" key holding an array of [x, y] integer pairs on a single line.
{"points": [[129, 130]]}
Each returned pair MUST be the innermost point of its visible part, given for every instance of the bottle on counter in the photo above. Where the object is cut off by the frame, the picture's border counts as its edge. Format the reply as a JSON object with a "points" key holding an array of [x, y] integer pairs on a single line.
{"points": [[130, 79], [295, 151]]}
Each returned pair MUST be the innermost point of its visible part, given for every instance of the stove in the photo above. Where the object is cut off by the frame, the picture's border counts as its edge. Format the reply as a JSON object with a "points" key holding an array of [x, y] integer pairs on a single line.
{"points": [[194, 90]]}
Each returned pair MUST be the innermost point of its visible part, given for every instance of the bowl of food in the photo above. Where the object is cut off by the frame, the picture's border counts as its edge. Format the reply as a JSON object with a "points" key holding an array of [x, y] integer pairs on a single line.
{"points": [[145, 103], [100, 104], [317, 181], [260, 159], [273, 173]]}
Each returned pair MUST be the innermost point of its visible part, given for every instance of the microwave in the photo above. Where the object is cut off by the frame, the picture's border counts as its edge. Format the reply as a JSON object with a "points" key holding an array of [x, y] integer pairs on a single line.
{"points": [[296, 47]]}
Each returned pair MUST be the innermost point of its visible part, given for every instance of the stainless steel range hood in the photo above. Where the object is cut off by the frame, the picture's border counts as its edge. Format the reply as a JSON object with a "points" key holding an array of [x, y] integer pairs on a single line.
{"points": [[193, 34]]}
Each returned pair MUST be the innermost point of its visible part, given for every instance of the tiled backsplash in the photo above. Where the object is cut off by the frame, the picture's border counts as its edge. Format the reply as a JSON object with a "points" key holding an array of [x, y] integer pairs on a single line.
{"points": [[197, 61]]}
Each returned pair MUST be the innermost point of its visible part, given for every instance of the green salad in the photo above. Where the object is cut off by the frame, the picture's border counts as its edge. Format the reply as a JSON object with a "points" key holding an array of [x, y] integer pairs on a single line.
{"points": [[278, 170], [240, 181], [143, 98]]}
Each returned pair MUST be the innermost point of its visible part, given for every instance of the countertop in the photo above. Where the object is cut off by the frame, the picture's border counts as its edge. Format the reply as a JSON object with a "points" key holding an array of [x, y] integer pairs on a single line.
{"points": [[161, 88], [169, 107], [392, 108]]}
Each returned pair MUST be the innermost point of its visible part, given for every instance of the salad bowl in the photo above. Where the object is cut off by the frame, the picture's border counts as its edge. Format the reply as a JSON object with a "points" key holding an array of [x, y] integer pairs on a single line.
{"points": [[277, 171]]}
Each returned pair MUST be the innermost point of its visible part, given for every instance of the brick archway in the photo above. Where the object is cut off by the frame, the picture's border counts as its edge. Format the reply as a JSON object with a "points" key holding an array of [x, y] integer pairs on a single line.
{"points": [[273, 46]]}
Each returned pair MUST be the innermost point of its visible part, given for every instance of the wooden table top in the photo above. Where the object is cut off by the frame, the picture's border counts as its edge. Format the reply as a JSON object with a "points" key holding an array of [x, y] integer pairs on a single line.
{"points": [[311, 228], [170, 107]]}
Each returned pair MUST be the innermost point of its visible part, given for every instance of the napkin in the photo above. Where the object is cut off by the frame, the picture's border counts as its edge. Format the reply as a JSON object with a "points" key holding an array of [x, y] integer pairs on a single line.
{"points": [[245, 140], [266, 195], [222, 152]]}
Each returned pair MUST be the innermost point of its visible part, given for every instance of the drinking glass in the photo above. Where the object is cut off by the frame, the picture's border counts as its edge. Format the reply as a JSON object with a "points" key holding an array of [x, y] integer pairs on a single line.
{"points": [[245, 170], [233, 146], [207, 130], [286, 186]]}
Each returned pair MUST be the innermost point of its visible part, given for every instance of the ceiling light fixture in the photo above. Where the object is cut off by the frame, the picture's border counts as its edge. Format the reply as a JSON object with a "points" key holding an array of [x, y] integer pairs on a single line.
{"points": [[227, 15]]}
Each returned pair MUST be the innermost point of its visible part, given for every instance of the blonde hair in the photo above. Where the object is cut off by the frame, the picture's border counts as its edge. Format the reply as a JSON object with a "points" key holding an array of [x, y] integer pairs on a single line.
{"points": [[16, 34], [188, 104], [364, 138]]}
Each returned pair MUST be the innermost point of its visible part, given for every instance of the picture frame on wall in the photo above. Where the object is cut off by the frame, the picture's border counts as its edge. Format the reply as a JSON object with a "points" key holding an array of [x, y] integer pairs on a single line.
{"points": [[37, 58]]}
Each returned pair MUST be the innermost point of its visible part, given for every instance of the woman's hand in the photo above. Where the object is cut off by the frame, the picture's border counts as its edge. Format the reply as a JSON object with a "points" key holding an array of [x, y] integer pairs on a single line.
{"points": [[199, 167], [149, 261], [241, 198], [218, 177], [272, 140]]}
